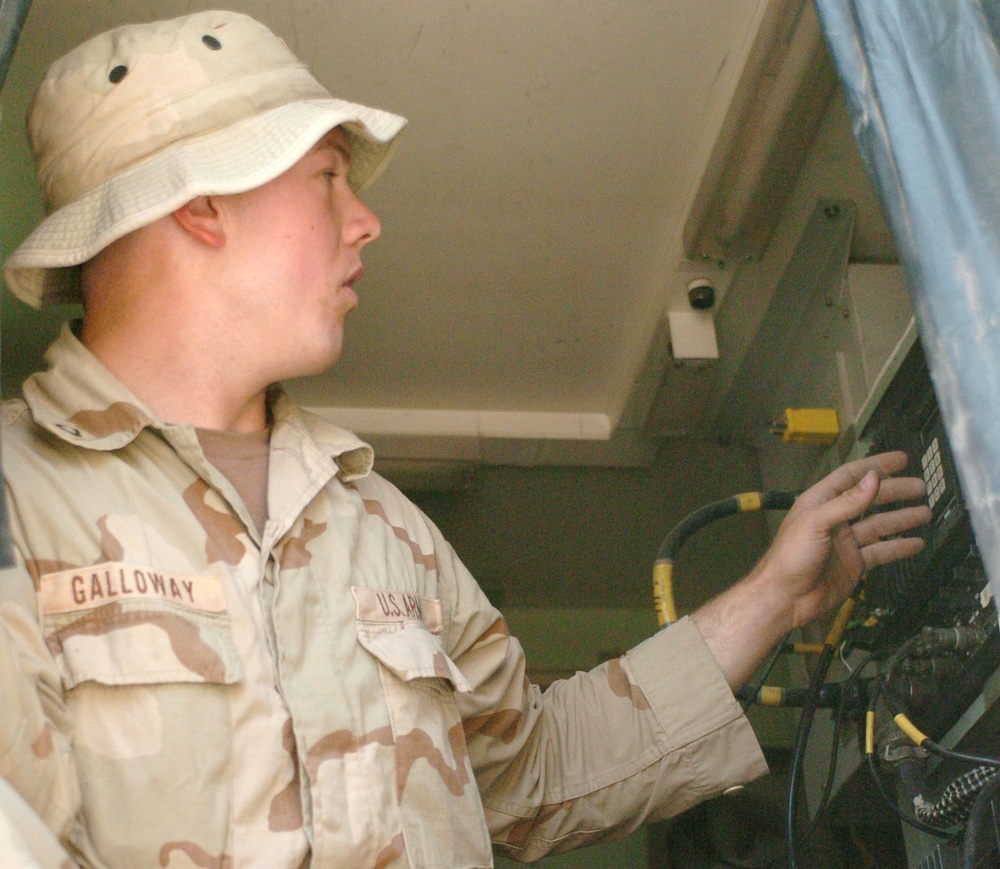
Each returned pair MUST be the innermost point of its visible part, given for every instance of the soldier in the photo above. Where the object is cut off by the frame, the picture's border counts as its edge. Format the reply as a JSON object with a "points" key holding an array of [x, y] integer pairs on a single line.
{"points": [[228, 642]]}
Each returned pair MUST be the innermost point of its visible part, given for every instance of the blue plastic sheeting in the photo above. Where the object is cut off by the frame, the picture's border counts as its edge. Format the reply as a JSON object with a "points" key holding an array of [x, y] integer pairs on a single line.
{"points": [[12, 15], [922, 82]]}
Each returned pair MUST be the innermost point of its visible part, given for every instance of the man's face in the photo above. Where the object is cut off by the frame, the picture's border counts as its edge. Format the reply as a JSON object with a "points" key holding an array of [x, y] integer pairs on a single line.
{"points": [[300, 238]]}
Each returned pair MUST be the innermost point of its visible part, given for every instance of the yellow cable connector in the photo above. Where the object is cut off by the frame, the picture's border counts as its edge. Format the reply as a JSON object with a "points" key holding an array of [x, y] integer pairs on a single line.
{"points": [[817, 426], [663, 592], [840, 622], [771, 696], [748, 501], [908, 727], [805, 648]]}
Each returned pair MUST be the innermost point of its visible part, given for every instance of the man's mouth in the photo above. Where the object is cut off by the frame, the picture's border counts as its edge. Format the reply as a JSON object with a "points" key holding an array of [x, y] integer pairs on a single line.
{"points": [[354, 278]]}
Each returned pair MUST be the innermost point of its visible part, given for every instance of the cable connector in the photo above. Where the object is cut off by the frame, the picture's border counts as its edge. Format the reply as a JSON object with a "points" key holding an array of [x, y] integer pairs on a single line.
{"points": [[831, 695], [933, 641], [817, 426]]}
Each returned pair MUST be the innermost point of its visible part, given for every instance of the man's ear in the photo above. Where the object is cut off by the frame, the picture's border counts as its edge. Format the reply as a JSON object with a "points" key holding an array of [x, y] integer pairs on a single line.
{"points": [[201, 219]]}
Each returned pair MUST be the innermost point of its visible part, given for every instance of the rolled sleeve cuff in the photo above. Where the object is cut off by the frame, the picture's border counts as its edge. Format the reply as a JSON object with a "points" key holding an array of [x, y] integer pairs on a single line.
{"points": [[697, 711]]}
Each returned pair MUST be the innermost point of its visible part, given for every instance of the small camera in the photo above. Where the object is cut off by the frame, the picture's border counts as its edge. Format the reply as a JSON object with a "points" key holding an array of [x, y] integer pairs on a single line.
{"points": [[701, 294]]}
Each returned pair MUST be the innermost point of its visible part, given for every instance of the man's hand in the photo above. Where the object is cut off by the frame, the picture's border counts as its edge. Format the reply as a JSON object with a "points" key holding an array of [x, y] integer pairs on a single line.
{"points": [[819, 554]]}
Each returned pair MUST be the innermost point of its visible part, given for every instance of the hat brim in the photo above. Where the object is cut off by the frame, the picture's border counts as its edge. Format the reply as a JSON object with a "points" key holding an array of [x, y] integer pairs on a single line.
{"points": [[234, 159]]}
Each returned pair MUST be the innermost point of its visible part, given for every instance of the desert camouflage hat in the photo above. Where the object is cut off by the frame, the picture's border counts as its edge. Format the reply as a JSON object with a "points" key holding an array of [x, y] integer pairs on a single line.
{"points": [[136, 122]]}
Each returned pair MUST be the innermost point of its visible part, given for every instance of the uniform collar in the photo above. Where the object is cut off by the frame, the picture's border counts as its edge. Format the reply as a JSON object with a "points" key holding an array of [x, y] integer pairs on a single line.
{"points": [[81, 402], [353, 457]]}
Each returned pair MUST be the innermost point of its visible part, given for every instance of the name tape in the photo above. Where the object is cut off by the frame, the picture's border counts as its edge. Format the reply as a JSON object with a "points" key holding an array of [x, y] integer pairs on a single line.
{"points": [[86, 588]]}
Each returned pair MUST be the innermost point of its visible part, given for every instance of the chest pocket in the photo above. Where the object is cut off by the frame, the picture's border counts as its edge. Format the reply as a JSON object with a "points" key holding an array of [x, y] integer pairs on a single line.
{"points": [[120, 625], [146, 662], [442, 813]]}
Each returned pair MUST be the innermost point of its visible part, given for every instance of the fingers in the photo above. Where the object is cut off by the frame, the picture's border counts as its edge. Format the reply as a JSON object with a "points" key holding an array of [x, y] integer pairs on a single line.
{"points": [[870, 532], [891, 462], [887, 551], [850, 475], [839, 502], [901, 489], [843, 506], [879, 525], [845, 493]]}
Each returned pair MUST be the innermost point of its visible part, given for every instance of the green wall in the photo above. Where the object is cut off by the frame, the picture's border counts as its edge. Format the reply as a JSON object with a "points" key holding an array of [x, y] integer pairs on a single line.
{"points": [[24, 332]]}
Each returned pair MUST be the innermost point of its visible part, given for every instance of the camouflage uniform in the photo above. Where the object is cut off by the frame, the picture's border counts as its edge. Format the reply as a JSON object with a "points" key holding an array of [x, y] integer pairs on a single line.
{"points": [[25, 842], [337, 684]]}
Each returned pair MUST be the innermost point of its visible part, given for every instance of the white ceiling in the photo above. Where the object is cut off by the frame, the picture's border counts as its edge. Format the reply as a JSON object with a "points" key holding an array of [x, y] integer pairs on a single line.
{"points": [[535, 215]]}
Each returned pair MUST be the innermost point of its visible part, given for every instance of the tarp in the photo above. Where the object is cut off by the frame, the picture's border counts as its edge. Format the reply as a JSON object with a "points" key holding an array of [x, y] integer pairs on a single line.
{"points": [[922, 83]]}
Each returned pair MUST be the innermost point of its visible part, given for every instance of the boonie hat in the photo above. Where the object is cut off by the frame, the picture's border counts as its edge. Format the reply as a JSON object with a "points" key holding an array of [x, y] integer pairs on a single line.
{"points": [[136, 122]]}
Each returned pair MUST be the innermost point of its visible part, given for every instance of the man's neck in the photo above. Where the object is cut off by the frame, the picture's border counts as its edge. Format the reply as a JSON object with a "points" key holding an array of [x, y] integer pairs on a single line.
{"points": [[178, 383], [150, 318]]}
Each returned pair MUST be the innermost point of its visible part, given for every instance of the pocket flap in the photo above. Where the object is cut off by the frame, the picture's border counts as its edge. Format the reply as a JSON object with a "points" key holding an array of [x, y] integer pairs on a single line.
{"points": [[410, 651]]}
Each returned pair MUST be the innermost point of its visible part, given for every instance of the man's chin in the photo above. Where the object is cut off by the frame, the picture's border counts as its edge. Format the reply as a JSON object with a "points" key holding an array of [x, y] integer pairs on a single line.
{"points": [[317, 363], [329, 358]]}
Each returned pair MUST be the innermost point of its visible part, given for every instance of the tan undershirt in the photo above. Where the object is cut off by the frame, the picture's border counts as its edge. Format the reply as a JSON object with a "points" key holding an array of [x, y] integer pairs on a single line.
{"points": [[243, 459]]}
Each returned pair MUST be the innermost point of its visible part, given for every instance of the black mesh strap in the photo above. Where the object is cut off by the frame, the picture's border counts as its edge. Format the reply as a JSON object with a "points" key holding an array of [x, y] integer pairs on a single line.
{"points": [[956, 801]]}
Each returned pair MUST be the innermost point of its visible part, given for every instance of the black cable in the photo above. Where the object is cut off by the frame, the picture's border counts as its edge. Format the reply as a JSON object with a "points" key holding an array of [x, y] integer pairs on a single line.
{"points": [[663, 566], [835, 749], [801, 738], [831, 695], [718, 510], [888, 800], [832, 642], [878, 690], [749, 700], [939, 750], [895, 707]]}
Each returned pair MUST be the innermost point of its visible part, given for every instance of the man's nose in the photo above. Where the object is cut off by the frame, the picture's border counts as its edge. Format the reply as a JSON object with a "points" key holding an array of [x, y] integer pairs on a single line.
{"points": [[363, 226]]}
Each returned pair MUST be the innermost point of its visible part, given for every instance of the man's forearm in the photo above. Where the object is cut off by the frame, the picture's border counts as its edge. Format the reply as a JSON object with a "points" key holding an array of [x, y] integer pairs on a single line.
{"points": [[741, 627]]}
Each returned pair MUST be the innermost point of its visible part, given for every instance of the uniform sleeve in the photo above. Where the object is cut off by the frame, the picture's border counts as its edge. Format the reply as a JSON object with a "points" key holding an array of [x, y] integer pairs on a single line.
{"points": [[25, 841], [640, 738], [35, 752]]}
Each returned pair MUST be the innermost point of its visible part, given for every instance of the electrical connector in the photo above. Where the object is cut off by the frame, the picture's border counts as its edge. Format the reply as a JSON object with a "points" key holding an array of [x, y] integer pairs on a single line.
{"points": [[817, 426]]}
